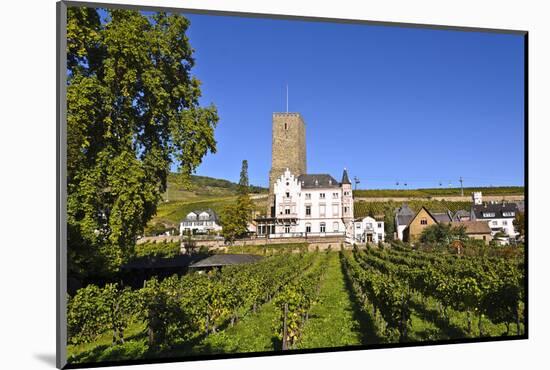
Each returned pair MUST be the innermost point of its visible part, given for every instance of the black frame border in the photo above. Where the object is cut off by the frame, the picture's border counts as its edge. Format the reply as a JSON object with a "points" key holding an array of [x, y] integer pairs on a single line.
{"points": [[61, 193]]}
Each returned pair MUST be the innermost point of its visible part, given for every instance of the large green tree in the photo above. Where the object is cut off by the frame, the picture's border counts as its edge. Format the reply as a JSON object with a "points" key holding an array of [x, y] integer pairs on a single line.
{"points": [[132, 112]]}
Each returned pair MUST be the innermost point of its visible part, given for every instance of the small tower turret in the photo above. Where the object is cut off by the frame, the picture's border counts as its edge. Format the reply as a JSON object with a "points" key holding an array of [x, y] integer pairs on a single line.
{"points": [[347, 202]]}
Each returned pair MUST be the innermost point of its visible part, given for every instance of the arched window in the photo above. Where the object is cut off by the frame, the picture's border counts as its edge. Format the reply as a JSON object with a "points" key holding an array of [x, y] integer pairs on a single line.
{"points": [[308, 227], [322, 227]]}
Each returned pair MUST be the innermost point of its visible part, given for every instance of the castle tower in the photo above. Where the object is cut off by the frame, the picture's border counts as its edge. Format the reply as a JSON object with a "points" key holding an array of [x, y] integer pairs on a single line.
{"points": [[347, 202], [288, 150]]}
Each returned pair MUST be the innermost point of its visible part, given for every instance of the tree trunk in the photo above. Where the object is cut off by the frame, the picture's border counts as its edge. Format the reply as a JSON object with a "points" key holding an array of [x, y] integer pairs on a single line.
{"points": [[469, 323]]}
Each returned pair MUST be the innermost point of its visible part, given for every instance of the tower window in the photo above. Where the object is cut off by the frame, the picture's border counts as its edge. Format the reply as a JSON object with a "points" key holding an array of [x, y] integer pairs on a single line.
{"points": [[286, 127]]}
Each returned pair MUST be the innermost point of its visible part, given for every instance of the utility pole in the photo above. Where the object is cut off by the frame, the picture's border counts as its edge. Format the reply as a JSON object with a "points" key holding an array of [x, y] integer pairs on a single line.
{"points": [[461, 187]]}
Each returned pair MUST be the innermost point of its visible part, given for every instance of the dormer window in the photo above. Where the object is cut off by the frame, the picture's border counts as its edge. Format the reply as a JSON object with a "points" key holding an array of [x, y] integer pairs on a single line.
{"points": [[508, 214], [488, 214]]}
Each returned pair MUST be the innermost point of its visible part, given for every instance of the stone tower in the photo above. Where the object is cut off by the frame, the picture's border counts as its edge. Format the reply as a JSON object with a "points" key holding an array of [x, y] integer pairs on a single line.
{"points": [[288, 150]]}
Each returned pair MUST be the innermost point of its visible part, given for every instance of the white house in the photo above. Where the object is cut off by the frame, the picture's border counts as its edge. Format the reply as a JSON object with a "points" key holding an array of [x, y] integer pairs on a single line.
{"points": [[500, 216], [368, 230], [310, 204], [403, 216], [200, 222]]}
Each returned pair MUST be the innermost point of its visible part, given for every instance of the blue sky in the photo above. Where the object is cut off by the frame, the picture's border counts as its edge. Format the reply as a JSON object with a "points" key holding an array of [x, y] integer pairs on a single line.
{"points": [[389, 103]]}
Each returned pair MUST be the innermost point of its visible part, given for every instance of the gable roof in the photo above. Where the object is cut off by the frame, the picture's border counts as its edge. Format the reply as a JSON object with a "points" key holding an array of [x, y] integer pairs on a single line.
{"points": [[461, 213], [427, 211], [497, 208], [473, 227], [218, 260], [212, 216], [313, 181], [404, 215], [404, 219], [441, 217]]}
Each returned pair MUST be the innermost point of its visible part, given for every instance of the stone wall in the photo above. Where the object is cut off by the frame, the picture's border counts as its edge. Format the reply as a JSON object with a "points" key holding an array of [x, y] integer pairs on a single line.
{"points": [[159, 239], [323, 243]]}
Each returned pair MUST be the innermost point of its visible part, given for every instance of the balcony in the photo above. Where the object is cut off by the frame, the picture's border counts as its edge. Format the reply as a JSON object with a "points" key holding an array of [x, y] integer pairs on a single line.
{"points": [[286, 216]]}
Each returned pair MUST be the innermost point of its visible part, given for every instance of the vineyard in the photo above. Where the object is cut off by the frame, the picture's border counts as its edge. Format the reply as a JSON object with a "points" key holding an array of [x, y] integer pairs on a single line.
{"points": [[301, 300], [363, 208], [435, 192], [396, 284]]}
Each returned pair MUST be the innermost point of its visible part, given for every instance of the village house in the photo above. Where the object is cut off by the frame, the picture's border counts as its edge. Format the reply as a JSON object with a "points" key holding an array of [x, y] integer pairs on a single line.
{"points": [[498, 215], [368, 230], [475, 230], [422, 220], [403, 216], [200, 222]]}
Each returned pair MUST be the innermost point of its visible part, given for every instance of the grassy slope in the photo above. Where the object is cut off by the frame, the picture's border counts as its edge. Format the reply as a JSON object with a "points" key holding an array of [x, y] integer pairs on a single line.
{"points": [[206, 192], [201, 188], [202, 192], [332, 321]]}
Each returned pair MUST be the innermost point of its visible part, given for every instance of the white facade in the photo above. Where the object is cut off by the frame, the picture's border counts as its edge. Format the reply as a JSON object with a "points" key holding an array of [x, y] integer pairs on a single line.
{"points": [[506, 224], [200, 222], [400, 229], [324, 207], [368, 230], [477, 197]]}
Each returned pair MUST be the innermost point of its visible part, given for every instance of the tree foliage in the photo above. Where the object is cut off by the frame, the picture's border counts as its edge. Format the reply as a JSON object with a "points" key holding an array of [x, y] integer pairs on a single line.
{"points": [[236, 216], [132, 111], [519, 223], [94, 310], [442, 234]]}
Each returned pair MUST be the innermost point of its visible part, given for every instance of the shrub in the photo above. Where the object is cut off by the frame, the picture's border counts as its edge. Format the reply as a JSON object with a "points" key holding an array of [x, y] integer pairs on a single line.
{"points": [[164, 249]]}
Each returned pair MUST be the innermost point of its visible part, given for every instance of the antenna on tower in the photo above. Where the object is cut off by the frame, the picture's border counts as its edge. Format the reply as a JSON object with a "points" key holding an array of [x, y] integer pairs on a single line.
{"points": [[356, 180], [287, 98]]}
